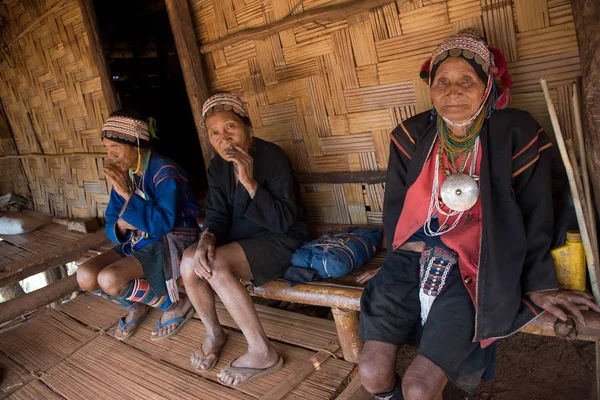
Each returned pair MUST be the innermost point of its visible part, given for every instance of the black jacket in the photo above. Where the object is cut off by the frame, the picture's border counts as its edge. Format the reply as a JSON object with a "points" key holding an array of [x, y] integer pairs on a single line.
{"points": [[276, 208], [516, 200]]}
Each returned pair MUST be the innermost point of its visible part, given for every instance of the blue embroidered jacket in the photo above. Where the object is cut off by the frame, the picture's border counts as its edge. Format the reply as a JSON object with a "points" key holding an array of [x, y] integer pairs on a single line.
{"points": [[170, 203]]}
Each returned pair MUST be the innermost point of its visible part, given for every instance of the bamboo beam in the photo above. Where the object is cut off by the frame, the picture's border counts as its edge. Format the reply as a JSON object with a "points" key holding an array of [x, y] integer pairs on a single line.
{"points": [[547, 325], [335, 12], [180, 16], [39, 298], [342, 177], [91, 28], [63, 155]]}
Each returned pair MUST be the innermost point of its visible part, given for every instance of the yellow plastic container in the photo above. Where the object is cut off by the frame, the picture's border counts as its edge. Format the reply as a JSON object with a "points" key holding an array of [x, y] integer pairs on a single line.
{"points": [[570, 263]]}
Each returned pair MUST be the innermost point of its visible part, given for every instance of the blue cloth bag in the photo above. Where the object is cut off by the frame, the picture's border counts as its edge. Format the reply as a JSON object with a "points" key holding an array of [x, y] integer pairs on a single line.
{"points": [[338, 253]]}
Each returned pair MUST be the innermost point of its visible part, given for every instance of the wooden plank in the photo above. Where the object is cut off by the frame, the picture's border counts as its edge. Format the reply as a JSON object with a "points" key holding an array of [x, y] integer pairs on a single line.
{"points": [[108, 369], [39, 298], [33, 344], [191, 66], [19, 270], [322, 384]]}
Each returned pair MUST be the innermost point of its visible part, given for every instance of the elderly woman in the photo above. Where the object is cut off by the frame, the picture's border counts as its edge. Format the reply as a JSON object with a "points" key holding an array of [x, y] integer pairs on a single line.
{"points": [[468, 208], [151, 216], [254, 221]]}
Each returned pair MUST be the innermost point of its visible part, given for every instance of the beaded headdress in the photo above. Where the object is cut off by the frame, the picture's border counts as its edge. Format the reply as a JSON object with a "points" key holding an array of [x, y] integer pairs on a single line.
{"points": [[126, 129], [224, 101], [486, 61]]}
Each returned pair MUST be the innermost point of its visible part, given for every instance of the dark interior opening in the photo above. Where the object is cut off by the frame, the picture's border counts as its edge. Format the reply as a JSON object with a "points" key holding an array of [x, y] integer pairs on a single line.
{"points": [[142, 58]]}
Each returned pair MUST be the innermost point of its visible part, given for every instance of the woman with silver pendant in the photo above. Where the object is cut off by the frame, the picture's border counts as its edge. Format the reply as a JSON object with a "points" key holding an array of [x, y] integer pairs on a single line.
{"points": [[468, 210]]}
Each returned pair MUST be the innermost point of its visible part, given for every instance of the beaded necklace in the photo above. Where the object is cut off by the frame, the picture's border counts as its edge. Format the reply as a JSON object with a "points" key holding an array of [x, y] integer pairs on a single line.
{"points": [[456, 146]]}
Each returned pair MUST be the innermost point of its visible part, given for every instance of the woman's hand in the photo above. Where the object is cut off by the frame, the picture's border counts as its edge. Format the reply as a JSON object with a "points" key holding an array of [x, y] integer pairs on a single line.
{"points": [[205, 254], [124, 226], [367, 276], [563, 303], [245, 168], [118, 179]]}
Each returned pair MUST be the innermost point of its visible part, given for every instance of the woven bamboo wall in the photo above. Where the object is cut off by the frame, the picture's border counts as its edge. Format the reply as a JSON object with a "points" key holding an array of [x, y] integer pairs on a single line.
{"points": [[330, 92], [54, 104]]}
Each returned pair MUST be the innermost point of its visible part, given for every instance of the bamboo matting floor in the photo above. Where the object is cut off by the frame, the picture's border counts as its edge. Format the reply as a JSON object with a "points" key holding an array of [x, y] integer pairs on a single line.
{"points": [[70, 353]]}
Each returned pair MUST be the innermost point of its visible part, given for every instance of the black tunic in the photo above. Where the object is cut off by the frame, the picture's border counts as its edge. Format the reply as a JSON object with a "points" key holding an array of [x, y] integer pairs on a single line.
{"points": [[516, 200], [232, 215]]}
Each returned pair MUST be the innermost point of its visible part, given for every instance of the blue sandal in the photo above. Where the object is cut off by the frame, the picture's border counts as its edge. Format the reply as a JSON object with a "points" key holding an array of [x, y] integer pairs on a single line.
{"points": [[179, 320], [124, 325]]}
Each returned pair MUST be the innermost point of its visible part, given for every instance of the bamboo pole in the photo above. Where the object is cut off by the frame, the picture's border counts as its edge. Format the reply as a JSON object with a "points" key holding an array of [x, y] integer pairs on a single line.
{"points": [[593, 268], [63, 155], [334, 12]]}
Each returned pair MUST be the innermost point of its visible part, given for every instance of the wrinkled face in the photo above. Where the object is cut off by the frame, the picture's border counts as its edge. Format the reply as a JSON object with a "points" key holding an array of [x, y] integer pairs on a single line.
{"points": [[226, 129], [456, 91], [122, 155]]}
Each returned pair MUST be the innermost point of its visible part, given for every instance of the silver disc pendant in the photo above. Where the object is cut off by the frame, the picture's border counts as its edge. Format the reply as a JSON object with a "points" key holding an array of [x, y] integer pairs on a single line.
{"points": [[459, 192]]}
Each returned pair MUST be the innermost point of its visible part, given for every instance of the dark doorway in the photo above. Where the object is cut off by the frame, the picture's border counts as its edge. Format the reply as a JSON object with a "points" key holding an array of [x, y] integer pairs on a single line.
{"points": [[139, 46]]}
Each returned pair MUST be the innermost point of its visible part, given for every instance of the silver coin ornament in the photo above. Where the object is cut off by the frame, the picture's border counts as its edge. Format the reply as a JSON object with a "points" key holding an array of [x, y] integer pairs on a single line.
{"points": [[459, 192]]}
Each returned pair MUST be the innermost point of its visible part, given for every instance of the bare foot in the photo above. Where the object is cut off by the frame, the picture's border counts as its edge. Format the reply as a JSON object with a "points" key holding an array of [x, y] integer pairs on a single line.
{"points": [[263, 360], [183, 306], [122, 333], [205, 358]]}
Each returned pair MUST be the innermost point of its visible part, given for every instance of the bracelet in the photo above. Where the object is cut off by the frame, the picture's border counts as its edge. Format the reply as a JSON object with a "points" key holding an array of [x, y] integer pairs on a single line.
{"points": [[207, 232]]}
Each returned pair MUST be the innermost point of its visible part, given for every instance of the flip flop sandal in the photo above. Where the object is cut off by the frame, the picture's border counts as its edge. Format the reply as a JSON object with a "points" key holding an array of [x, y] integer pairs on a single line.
{"points": [[257, 373], [179, 320], [124, 325], [217, 353]]}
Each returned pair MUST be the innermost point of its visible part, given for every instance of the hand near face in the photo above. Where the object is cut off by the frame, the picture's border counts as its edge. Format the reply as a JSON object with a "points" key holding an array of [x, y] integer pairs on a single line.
{"points": [[245, 166], [118, 179]]}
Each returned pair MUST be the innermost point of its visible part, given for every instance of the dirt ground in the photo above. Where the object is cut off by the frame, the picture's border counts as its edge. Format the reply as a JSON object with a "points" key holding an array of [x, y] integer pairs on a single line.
{"points": [[532, 368]]}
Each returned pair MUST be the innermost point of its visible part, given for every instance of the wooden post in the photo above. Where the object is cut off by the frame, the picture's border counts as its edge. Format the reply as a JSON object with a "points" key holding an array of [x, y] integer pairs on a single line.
{"points": [[347, 323], [90, 24], [39, 298], [188, 52], [587, 20]]}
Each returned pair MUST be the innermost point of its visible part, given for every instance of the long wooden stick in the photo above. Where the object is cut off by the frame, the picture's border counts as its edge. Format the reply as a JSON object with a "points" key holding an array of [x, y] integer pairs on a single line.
{"points": [[593, 269]]}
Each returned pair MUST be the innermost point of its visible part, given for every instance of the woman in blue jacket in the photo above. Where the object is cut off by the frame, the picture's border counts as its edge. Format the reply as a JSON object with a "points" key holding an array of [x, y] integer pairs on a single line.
{"points": [[151, 216]]}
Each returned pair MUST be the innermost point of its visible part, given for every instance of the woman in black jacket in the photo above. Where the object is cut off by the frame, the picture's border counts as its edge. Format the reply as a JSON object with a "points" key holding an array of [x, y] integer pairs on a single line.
{"points": [[468, 212], [254, 221]]}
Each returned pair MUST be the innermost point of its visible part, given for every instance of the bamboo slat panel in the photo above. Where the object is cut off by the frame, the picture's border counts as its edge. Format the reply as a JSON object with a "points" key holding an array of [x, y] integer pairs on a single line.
{"points": [[34, 390], [14, 376], [93, 311], [108, 369], [43, 341], [341, 85], [54, 104], [322, 384]]}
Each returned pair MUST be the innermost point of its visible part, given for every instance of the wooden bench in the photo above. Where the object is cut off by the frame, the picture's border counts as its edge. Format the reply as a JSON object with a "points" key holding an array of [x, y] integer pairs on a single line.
{"points": [[343, 297], [50, 246]]}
